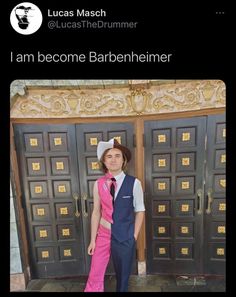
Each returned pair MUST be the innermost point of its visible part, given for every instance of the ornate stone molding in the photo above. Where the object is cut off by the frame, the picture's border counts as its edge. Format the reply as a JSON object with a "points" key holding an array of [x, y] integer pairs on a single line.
{"points": [[66, 103]]}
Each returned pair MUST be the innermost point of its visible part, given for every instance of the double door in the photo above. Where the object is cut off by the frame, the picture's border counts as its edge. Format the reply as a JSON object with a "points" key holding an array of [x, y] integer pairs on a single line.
{"points": [[58, 167], [185, 195], [184, 165]]}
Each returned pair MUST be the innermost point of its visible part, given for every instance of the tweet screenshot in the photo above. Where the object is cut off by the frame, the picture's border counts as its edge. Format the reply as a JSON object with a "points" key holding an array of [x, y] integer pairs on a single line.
{"points": [[117, 122]]}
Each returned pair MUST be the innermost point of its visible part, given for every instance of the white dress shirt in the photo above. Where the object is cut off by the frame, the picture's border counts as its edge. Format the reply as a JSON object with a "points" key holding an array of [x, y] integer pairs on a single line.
{"points": [[137, 191]]}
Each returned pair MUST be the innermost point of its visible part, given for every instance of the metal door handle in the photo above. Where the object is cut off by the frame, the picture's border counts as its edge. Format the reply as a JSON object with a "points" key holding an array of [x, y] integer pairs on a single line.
{"points": [[84, 205], [76, 197], [209, 201], [199, 201]]}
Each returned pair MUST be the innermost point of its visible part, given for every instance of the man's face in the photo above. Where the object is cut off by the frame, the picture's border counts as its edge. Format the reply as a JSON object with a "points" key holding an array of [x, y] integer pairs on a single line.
{"points": [[114, 160]]}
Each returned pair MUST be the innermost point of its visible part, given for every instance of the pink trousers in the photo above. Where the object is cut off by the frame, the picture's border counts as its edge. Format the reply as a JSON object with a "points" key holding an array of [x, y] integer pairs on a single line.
{"points": [[100, 259]]}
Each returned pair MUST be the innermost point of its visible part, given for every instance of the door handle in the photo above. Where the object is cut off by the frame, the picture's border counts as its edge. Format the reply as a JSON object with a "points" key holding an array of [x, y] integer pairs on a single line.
{"points": [[199, 201], [84, 205], [76, 197], [209, 201]]}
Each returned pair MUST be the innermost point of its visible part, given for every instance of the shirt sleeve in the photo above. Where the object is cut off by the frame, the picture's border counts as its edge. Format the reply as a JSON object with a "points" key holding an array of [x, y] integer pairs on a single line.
{"points": [[138, 196]]}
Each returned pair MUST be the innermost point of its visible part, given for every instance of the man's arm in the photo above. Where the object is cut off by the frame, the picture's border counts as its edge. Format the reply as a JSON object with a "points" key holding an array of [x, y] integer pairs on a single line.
{"points": [[138, 223], [95, 219], [139, 207]]}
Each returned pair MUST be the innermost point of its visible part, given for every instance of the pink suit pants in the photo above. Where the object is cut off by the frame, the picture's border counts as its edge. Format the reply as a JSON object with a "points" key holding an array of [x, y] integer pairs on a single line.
{"points": [[99, 262]]}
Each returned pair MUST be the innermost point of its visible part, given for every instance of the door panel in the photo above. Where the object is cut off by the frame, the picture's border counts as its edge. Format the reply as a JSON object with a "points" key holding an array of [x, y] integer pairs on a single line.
{"points": [[49, 177], [174, 158], [185, 177], [215, 204], [88, 136]]}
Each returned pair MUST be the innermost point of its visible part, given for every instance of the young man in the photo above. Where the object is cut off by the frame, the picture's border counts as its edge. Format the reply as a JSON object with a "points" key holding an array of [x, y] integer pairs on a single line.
{"points": [[116, 219]]}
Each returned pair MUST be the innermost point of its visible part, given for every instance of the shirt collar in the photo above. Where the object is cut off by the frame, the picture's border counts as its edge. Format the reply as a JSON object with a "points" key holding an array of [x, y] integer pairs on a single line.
{"points": [[120, 175]]}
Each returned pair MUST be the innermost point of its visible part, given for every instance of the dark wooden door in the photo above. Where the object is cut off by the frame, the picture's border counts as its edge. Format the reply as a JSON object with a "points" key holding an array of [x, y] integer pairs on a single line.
{"points": [[185, 195], [215, 197], [51, 196], [174, 158], [58, 167], [88, 136]]}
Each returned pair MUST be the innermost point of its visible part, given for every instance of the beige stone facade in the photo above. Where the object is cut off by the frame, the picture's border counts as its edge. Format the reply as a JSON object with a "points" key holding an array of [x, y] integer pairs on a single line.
{"points": [[137, 98]]}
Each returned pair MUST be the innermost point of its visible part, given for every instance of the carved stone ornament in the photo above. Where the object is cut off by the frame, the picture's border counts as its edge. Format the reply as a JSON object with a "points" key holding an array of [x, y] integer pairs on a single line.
{"points": [[65, 103]]}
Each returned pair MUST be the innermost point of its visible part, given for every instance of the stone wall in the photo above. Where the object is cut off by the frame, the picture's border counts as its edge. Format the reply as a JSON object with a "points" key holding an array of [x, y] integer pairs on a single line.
{"points": [[17, 276]]}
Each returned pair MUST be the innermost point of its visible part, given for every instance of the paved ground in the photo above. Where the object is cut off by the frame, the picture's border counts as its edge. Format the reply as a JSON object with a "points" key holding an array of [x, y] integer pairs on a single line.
{"points": [[148, 283]]}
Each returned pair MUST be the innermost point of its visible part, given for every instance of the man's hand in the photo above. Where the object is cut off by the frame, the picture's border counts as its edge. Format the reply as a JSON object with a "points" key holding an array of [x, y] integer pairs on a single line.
{"points": [[91, 248]]}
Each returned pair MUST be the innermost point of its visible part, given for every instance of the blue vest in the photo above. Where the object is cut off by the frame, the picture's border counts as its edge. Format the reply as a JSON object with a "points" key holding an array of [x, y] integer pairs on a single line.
{"points": [[123, 214]]}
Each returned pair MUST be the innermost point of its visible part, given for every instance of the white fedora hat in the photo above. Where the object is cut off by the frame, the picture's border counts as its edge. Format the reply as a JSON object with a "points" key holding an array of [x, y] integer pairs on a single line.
{"points": [[103, 146], [112, 143]]}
